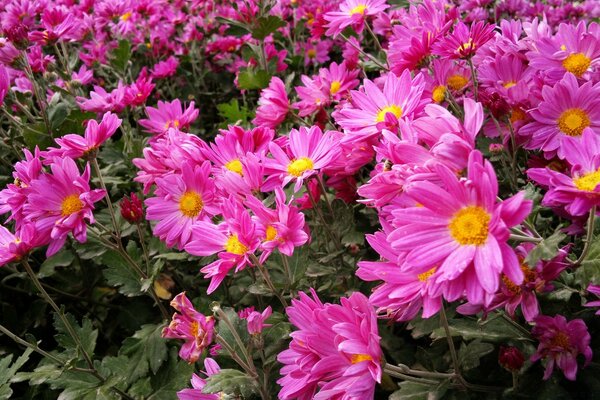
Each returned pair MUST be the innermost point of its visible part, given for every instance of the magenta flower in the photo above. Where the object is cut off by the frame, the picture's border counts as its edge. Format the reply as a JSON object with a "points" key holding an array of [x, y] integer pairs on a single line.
{"points": [[308, 152], [560, 343], [61, 202], [595, 289], [579, 191], [314, 96], [566, 110], [15, 247], [464, 41], [400, 97], [101, 101], [335, 351], [169, 115], [256, 321], [273, 105], [460, 232], [76, 146], [352, 13], [338, 79], [4, 83], [164, 69], [132, 209], [188, 324], [181, 201], [198, 384]]}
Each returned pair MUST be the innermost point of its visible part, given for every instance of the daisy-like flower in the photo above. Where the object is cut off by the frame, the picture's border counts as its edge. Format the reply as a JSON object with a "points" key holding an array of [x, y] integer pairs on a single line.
{"points": [[309, 150], [181, 201], [314, 95], [76, 146], [61, 202], [464, 41], [211, 368], [169, 115], [338, 79], [15, 247], [566, 110], [579, 191], [188, 324], [273, 105], [352, 13], [460, 231], [335, 352], [101, 101], [507, 75], [164, 69], [560, 343], [595, 289], [400, 97], [448, 76]]}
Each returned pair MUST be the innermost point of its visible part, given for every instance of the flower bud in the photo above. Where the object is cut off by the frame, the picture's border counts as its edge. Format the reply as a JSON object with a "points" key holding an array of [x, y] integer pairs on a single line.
{"points": [[17, 34], [511, 358], [496, 148], [131, 209]]}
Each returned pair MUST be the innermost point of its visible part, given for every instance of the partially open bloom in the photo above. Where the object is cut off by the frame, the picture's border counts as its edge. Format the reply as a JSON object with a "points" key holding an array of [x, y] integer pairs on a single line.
{"points": [[15, 247], [188, 324], [560, 343], [256, 321], [273, 105], [169, 115], [464, 41], [132, 209], [335, 352], [211, 368], [352, 13], [61, 202], [76, 146]]}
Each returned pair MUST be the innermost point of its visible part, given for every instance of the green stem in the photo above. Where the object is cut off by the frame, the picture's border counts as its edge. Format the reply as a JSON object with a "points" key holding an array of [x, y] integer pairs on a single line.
{"points": [[267, 278], [107, 196], [473, 78], [588, 237]]}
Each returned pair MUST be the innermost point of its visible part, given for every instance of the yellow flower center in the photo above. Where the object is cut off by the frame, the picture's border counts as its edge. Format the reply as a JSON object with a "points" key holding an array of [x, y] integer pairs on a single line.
{"points": [[190, 204], [194, 328], [573, 121], [394, 109], [356, 358], [234, 246], [457, 82], [439, 94], [588, 182], [270, 234], [509, 84], [517, 115], [71, 204], [577, 64], [470, 226], [426, 275], [359, 9], [173, 124], [235, 166], [312, 53], [298, 166], [335, 87], [466, 46], [126, 16]]}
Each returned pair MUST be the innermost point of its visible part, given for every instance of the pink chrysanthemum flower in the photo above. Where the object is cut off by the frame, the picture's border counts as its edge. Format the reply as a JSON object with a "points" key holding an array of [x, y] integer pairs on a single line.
{"points": [[566, 110], [256, 320], [61, 202], [309, 150], [314, 96], [464, 41], [284, 227], [101, 101], [448, 76], [164, 69], [400, 97], [188, 324], [352, 13], [461, 232], [76, 146], [595, 289], [507, 75], [181, 201], [169, 115], [335, 352], [560, 343], [580, 190], [4, 83], [14, 247], [273, 105], [211, 368], [338, 79]]}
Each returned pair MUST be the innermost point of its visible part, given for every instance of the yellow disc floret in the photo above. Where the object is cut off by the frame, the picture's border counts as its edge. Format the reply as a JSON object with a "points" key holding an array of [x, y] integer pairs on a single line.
{"points": [[70, 205], [470, 226], [439, 94], [359, 9], [234, 246], [457, 82], [335, 87], [587, 182], [298, 166], [394, 109], [190, 204], [235, 165], [356, 358], [573, 121], [577, 64]]}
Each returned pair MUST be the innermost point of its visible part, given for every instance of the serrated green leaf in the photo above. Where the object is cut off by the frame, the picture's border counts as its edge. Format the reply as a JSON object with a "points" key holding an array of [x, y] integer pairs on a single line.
{"points": [[546, 249], [36, 135], [86, 333], [230, 381], [42, 374], [171, 377], [589, 271], [266, 25], [232, 113], [496, 330], [413, 391], [120, 274], [122, 54], [470, 354], [146, 349], [61, 259], [250, 79]]}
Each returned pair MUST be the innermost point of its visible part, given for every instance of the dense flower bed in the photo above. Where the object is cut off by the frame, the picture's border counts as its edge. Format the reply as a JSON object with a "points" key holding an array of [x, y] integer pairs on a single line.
{"points": [[299, 199]]}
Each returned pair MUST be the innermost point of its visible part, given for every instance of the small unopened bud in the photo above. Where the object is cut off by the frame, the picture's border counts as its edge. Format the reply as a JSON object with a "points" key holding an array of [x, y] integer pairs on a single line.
{"points": [[511, 358], [131, 209], [496, 148]]}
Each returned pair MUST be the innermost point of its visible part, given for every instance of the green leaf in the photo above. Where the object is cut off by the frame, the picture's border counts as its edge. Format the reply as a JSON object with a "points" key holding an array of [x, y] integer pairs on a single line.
{"points": [[249, 79], [266, 25], [589, 271], [122, 54], [40, 375], [240, 327], [171, 377], [232, 113], [7, 372], [63, 258], [470, 354], [119, 273], [230, 381], [546, 249], [57, 114], [496, 330], [415, 391], [36, 135], [87, 335], [146, 349]]}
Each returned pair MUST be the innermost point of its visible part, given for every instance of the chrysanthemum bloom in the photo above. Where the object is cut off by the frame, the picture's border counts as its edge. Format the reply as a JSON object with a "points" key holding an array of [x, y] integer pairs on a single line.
{"points": [[101, 101], [560, 343], [76, 146], [273, 105], [567, 109], [234, 240], [243, 182], [448, 76], [181, 201], [578, 191], [352, 13], [169, 115], [164, 69], [400, 97], [211, 368], [314, 95], [335, 349], [595, 289], [574, 49], [309, 150], [196, 329], [14, 247], [338, 79], [508, 76], [4, 83], [138, 92], [256, 321], [464, 41], [461, 232], [284, 227], [61, 202]]}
